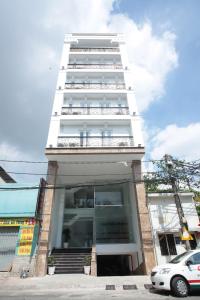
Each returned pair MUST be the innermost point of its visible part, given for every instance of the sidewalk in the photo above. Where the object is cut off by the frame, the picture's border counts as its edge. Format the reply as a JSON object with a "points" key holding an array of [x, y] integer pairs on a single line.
{"points": [[66, 282]]}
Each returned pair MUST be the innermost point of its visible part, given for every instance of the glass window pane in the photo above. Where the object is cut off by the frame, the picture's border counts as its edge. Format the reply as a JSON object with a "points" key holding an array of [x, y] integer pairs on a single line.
{"points": [[113, 214], [171, 244], [163, 244], [108, 195], [195, 259], [79, 198]]}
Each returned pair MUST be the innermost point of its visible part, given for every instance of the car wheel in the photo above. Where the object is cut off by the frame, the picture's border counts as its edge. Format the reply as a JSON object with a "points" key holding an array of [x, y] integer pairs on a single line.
{"points": [[179, 287]]}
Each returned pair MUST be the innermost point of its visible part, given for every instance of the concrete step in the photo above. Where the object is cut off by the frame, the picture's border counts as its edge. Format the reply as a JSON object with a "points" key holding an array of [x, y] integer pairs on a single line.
{"points": [[72, 250], [68, 263]]}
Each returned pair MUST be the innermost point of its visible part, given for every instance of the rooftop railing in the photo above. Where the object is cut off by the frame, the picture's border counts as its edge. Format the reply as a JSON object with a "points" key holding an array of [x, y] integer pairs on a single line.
{"points": [[78, 110], [95, 66], [94, 85], [95, 141], [91, 49]]}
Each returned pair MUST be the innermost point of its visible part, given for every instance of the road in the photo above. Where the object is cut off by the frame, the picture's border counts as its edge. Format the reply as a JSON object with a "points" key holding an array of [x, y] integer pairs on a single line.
{"points": [[97, 295]]}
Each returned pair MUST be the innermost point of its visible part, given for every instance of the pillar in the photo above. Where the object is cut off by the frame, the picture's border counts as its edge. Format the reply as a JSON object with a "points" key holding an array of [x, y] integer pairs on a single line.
{"points": [[94, 262], [143, 218], [43, 245]]}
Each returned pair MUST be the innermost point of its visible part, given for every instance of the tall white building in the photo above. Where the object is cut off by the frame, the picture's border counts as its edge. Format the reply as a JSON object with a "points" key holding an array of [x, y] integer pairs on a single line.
{"points": [[94, 150]]}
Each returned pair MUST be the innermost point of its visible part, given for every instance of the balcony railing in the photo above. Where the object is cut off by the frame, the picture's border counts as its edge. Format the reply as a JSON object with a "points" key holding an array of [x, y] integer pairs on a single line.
{"points": [[78, 110], [95, 66], [94, 141], [76, 49], [95, 85]]}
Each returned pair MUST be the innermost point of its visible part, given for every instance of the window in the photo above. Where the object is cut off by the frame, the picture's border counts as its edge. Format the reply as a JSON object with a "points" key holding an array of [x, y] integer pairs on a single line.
{"points": [[167, 244], [84, 138], [195, 259], [193, 243]]}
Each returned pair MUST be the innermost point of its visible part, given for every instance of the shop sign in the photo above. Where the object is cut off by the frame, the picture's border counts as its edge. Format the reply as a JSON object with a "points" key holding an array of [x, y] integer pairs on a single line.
{"points": [[27, 240], [24, 248], [17, 222]]}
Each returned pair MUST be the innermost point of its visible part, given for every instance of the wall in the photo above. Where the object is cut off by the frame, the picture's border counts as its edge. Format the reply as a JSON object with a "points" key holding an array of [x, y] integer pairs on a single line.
{"points": [[164, 218]]}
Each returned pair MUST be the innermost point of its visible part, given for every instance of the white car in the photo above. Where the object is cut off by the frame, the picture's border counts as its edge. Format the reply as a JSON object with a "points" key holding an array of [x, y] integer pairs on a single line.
{"points": [[180, 275]]}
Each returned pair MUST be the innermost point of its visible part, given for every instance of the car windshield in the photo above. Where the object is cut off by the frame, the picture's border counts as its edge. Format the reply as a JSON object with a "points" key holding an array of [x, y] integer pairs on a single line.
{"points": [[179, 257]]}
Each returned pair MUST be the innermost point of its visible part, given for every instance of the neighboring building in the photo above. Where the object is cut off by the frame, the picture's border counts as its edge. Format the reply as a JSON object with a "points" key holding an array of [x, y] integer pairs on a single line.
{"points": [[94, 150], [166, 226], [19, 224], [5, 177]]}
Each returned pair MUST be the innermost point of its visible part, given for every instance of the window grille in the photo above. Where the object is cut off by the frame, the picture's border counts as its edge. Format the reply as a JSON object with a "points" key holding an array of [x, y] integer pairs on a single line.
{"points": [[167, 244]]}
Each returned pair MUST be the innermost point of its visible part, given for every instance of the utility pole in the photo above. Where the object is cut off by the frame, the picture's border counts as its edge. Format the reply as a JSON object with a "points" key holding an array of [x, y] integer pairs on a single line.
{"points": [[182, 219]]}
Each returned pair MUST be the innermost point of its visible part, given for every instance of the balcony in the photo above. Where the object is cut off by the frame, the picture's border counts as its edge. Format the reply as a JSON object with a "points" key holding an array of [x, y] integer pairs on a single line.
{"points": [[77, 110], [95, 141], [94, 85], [95, 66], [107, 49]]}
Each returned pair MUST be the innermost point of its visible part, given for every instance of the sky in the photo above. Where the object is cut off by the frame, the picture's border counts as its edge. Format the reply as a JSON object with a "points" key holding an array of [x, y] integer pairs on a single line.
{"points": [[163, 43]]}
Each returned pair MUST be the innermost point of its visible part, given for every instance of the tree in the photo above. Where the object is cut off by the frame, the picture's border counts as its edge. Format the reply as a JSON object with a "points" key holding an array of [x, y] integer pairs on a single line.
{"points": [[187, 175]]}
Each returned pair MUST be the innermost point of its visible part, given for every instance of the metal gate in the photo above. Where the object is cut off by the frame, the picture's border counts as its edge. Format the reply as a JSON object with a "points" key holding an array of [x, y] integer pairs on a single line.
{"points": [[8, 240]]}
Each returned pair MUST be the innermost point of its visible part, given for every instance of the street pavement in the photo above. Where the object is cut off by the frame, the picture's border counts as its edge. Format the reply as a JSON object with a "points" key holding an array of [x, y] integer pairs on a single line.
{"points": [[80, 287], [99, 295]]}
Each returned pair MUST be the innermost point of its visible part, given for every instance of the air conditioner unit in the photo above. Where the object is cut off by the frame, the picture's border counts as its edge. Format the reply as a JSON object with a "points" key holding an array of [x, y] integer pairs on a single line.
{"points": [[129, 88], [50, 146], [63, 68], [60, 88], [126, 68], [55, 113]]}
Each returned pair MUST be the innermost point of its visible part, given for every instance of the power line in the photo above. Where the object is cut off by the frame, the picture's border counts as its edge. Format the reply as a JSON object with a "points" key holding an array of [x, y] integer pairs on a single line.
{"points": [[84, 184], [82, 175], [72, 162]]}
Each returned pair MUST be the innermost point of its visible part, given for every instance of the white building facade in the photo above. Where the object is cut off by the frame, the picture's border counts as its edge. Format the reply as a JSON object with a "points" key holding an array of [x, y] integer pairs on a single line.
{"points": [[94, 150], [166, 226]]}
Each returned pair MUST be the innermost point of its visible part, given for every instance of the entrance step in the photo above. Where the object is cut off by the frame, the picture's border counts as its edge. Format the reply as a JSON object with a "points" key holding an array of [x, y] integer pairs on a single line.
{"points": [[70, 260]]}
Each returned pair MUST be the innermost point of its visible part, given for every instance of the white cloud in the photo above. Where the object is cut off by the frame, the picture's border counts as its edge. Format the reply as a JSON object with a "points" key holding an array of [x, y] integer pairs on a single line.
{"points": [[152, 57], [10, 152], [181, 142], [7, 151]]}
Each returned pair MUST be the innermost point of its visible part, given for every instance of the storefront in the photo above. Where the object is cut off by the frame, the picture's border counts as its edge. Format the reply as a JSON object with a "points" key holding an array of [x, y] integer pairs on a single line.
{"points": [[18, 226], [17, 237]]}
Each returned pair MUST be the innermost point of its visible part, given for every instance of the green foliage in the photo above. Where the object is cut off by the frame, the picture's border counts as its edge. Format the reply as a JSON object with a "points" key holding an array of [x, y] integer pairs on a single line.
{"points": [[198, 209], [51, 260], [87, 260], [186, 175]]}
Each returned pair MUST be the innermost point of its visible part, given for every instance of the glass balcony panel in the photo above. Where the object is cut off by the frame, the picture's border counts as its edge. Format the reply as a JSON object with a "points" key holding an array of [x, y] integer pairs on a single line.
{"points": [[92, 49], [93, 85], [95, 66], [94, 141], [95, 110]]}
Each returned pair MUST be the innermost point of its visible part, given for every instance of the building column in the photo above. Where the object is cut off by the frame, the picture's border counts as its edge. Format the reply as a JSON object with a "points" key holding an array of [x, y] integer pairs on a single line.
{"points": [[43, 245], [143, 219], [94, 261]]}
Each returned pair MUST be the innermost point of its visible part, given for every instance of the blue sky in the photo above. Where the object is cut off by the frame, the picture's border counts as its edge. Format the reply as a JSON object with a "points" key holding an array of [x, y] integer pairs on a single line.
{"points": [[182, 98], [163, 40]]}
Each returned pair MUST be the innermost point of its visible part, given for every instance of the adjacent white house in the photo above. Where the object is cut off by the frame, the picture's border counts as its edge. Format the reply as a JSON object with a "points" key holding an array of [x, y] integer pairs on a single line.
{"points": [[166, 226]]}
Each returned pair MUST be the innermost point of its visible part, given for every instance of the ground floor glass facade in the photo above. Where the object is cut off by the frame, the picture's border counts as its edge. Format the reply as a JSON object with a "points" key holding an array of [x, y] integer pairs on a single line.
{"points": [[100, 214]]}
